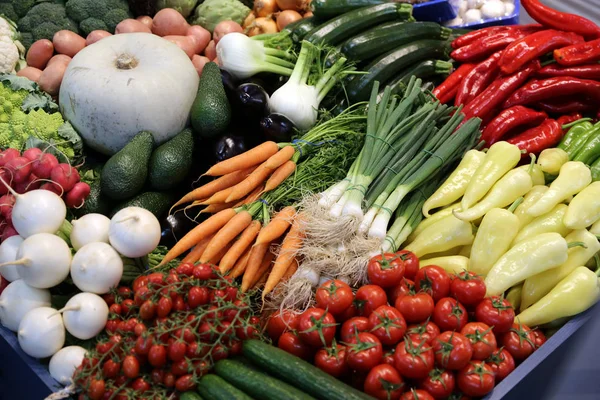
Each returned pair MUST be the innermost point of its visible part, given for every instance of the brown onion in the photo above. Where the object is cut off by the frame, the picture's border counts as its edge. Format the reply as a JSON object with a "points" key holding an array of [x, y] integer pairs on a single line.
{"points": [[287, 17], [262, 25], [264, 8], [296, 5]]}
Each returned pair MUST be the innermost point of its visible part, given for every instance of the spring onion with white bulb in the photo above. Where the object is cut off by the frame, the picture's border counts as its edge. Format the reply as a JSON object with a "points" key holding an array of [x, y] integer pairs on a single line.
{"points": [[300, 97], [244, 57]]}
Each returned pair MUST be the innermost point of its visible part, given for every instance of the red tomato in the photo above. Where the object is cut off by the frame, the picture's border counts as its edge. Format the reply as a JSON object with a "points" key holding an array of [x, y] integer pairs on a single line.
{"points": [[364, 352], [414, 360], [411, 263], [128, 303], [496, 312], [291, 343], [141, 385], [157, 375], [348, 313], [163, 307], [519, 341], [185, 269], [139, 282], [96, 389], [415, 307], [404, 287], [115, 309], [197, 296], [157, 355], [539, 336], [316, 327], [387, 324], [482, 339], [332, 360], [384, 383], [280, 322], [433, 280], [476, 379], [388, 357], [204, 272], [219, 352], [439, 383], [181, 367], [169, 380], [334, 296], [427, 331], [502, 363], [453, 350], [416, 394], [354, 326], [450, 315], [131, 367], [468, 288], [139, 329], [112, 325], [176, 350], [143, 344], [368, 298], [111, 369], [385, 270], [185, 383]]}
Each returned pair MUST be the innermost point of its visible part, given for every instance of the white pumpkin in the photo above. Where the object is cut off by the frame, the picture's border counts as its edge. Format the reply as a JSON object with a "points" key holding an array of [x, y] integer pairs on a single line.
{"points": [[127, 83]]}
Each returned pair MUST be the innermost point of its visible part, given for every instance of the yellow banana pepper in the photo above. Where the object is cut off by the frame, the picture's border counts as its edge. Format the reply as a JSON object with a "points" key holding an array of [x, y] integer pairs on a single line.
{"points": [[539, 285], [447, 233], [466, 251], [584, 209], [532, 256], [550, 160], [537, 175], [454, 187], [514, 296], [451, 264], [432, 220], [451, 252], [574, 176], [577, 292], [549, 222], [509, 188], [500, 158], [595, 228], [531, 198], [494, 236]]}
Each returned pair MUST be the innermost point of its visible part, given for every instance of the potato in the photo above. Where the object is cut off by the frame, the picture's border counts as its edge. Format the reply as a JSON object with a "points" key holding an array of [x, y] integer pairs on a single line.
{"points": [[40, 53], [199, 62], [68, 43], [211, 50], [168, 22], [130, 25], [96, 35], [33, 73], [201, 37], [52, 76], [146, 20], [185, 43], [225, 27]]}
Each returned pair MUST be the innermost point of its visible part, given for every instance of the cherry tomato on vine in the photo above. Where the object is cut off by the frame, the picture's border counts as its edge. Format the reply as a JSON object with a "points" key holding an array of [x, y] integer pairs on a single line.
{"points": [[433, 280], [176, 350], [169, 380], [157, 355], [96, 389], [384, 383], [385, 270], [141, 385], [452, 350], [185, 269], [131, 367], [404, 287], [291, 343], [316, 327], [147, 310], [185, 383], [539, 336], [415, 307], [468, 288], [111, 369], [416, 394], [449, 314], [127, 304], [387, 324], [197, 296], [476, 379], [519, 341], [280, 322], [482, 339], [496, 312], [157, 375], [411, 263], [368, 298], [334, 296], [139, 282], [181, 367], [363, 352], [502, 363], [204, 272], [115, 309], [414, 360], [353, 326], [332, 360], [164, 307], [439, 383], [427, 331]]}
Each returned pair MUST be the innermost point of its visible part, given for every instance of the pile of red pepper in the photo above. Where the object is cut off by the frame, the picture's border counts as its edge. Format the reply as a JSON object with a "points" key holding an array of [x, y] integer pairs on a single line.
{"points": [[526, 81]]}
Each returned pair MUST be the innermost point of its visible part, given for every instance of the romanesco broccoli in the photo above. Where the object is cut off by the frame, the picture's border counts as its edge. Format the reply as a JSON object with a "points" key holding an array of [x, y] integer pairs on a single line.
{"points": [[43, 21], [97, 14]]}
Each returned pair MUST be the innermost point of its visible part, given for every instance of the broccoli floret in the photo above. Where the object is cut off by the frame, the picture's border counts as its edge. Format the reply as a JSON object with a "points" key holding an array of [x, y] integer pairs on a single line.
{"points": [[43, 21], [15, 9], [89, 13]]}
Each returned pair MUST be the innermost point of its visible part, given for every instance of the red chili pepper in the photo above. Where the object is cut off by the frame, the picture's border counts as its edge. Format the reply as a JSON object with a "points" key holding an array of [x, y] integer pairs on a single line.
{"points": [[482, 48], [497, 92], [579, 53], [533, 46], [509, 120], [446, 91], [552, 18], [551, 88], [534, 140], [478, 79], [567, 119], [565, 105], [591, 71], [470, 37]]}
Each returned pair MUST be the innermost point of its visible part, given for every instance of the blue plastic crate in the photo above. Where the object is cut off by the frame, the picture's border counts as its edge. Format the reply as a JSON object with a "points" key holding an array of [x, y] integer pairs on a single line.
{"points": [[436, 11], [508, 20]]}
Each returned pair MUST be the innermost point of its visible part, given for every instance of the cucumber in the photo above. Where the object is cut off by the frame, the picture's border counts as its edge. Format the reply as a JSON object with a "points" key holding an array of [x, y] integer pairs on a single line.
{"points": [[299, 373], [388, 65], [304, 26], [289, 28], [345, 26], [190, 396], [380, 40], [424, 69], [256, 383], [333, 8], [214, 387]]}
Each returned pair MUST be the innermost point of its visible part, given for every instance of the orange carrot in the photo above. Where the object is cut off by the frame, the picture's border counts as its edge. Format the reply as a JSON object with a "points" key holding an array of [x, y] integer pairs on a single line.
{"points": [[217, 257], [280, 175], [240, 265], [280, 157], [257, 254], [215, 208], [196, 252], [254, 195], [208, 227], [247, 159], [240, 245], [220, 196], [261, 281], [277, 226], [214, 186], [226, 234], [290, 271], [255, 179], [263, 269], [290, 245]]}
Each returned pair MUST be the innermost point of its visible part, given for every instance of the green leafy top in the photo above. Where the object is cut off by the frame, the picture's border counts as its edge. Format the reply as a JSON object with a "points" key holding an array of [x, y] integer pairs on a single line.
{"points": [[36, 99]]}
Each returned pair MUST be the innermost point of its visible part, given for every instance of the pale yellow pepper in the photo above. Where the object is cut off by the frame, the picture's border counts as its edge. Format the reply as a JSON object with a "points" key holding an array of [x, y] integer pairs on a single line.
{"points": [[550, 160], [432, 220], [451, 264], [549, 222], [466, 251], [514, 296], [537, 175], [447, 233], [531, 198], [451, 252], [584, 209]]}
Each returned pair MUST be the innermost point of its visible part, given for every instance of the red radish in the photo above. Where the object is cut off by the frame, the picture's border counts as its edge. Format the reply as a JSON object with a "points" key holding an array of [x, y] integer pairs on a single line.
{"points": [[32, 183], [44, 165], [225, 27], [53, 187], [8, 155], [199, 62], [76, 196], [3, 283], [32, 154], [6, 177], [211, 50], [6, 204], [201, 35], [7, 232], [169, 22], [20, 167], [65, 176]]}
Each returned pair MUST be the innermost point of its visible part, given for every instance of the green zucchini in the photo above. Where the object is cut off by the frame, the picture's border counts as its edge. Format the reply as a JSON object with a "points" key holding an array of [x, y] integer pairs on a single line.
{"points": [[189, 396], [345, 26], [333, 8], [424, 69], [299, 373], [256, 383], [214, 387], [290, 27], [380, 40], [304, 26], [388, 65]]}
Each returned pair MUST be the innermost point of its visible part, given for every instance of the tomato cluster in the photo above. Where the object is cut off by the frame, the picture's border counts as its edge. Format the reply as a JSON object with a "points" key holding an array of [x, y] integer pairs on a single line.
{"points": [[410, 334], [165, 333]]}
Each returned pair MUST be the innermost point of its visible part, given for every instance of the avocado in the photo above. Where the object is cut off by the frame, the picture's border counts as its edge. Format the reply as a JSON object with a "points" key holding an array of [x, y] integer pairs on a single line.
{"points": [[157, 203], [96, 202], [211, 112], [124, 174], [171, 161]]}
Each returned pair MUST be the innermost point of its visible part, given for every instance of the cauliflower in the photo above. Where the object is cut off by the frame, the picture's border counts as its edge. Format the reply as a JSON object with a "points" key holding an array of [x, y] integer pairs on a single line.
{"points": [[97, 14], [211, 12], [11, 50], [43, 21]]}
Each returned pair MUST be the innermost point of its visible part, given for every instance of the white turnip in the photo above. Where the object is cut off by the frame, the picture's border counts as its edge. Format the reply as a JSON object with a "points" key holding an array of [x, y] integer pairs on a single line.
{"points": [[85, 315], [134, 232], [96, 268], [64, 362], [89, 229], [8, 252], [17, 299], [41, 332]]}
